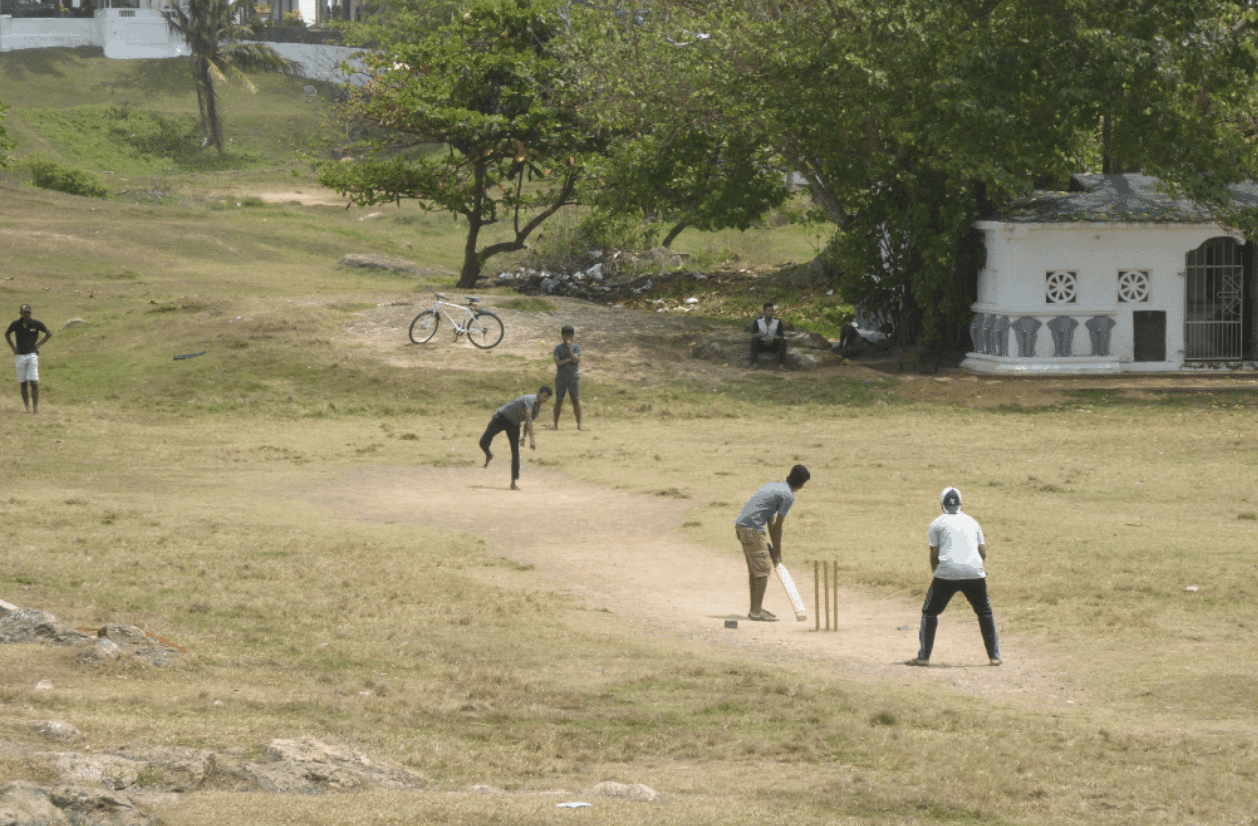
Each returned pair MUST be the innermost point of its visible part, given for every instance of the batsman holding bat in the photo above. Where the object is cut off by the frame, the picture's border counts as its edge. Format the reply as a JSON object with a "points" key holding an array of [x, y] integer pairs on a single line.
{"points": [[765, 511]]}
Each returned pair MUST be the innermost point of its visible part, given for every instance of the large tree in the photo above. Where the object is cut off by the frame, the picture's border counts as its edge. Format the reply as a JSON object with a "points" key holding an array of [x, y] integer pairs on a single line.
{"points": [[214, 33], [910, 118], [489, 89]]}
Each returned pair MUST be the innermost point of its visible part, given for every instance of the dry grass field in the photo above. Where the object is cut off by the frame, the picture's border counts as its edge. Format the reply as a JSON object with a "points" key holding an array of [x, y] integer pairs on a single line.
{"points": [[302, 509]]}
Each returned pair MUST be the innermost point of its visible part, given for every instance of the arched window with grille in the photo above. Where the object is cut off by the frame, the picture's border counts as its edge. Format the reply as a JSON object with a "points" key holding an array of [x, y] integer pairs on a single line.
{"points": [[1214, 303]]}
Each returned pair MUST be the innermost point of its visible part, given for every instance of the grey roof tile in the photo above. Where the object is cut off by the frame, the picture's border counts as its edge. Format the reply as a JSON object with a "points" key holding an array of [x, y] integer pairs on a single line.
{"points": [[1116, 199]]}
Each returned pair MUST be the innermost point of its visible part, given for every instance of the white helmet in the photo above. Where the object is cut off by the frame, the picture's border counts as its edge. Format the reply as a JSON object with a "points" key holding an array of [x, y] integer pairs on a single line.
{"points": [[950, 500]]}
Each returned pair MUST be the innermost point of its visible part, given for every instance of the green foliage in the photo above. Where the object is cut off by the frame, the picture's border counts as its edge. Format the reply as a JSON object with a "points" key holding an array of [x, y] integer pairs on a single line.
{"points": [[912, 252], [48, 174], [489, 86], [697, 178], [401, 21], [6, 145]]}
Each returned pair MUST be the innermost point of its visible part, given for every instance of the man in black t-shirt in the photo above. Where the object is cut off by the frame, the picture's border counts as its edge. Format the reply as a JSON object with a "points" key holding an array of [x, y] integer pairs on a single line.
{"points": [[26, 331]]}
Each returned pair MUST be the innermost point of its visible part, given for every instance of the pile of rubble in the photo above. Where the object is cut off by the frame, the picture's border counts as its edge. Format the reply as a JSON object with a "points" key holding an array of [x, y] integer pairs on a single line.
{"points": [[607, 279]]}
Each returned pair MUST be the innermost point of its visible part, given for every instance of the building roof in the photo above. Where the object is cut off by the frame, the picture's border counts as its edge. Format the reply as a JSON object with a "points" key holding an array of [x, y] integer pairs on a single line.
{"points": [[1116, 199]]}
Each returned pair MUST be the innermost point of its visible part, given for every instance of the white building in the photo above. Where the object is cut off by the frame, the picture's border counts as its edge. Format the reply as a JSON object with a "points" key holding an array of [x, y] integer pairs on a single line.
{"points": [[136, 29], [1116, 277]]}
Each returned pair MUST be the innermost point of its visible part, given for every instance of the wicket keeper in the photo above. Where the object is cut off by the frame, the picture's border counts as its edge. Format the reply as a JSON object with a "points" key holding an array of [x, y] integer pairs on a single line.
{"points": [[957, 553]]}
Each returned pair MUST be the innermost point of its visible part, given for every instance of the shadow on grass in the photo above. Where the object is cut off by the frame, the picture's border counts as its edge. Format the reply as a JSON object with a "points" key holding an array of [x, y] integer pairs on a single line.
{"points": [[1160, 398], [51, 62]]}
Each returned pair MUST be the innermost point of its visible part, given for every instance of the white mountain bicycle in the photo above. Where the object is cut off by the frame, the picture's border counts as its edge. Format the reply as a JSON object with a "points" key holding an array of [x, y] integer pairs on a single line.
{"points": [[482, 328]]}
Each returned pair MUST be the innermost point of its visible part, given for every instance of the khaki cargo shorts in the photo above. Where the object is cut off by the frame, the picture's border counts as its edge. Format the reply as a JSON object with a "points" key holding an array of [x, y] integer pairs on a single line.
{"points": [[756, 549]]}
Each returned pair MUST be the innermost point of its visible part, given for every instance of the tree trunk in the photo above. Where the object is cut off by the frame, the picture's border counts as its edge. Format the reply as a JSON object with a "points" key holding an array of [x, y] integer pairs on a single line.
{"points": [[1109, 164], [471, 258], [214, 133], [673, 233]]}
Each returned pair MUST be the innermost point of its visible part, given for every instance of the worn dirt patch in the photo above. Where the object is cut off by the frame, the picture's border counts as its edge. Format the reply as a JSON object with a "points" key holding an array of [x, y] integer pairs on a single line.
{"points": [[654, 347]]}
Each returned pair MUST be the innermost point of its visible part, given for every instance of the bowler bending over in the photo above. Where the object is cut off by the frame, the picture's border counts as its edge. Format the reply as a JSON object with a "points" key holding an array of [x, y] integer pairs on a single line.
{"points": [[957, 554], [510, 417], [766, 509]]}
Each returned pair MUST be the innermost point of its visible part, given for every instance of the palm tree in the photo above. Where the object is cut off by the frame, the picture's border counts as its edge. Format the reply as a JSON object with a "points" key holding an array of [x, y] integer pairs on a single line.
{"points": [[213, 31]]}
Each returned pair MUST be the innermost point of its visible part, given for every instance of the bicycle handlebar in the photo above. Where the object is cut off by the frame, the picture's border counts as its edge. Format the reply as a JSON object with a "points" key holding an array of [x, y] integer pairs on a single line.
{"points": [[471, 299]]}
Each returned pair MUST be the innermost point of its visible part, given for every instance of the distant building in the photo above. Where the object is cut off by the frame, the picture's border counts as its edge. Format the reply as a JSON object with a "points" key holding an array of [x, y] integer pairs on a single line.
{"points": [[1114, 277], [136, 29]]}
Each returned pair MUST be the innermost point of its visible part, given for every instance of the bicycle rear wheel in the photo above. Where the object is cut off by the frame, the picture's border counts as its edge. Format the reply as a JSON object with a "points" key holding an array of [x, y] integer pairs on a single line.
{"points": [[485, 330], [424, 327]]}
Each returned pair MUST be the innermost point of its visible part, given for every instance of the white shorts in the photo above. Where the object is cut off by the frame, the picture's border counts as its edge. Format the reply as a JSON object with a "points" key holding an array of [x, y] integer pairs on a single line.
{"points": [[27, 367]]}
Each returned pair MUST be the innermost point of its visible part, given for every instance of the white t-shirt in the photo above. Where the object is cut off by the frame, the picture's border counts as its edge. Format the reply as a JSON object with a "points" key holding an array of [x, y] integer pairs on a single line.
{"points": [[957, 537]]}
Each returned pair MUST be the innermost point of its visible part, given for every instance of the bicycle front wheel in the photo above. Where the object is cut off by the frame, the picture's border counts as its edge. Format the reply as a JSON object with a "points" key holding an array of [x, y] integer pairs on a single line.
{"points": [[485, 330], [424, 327]]}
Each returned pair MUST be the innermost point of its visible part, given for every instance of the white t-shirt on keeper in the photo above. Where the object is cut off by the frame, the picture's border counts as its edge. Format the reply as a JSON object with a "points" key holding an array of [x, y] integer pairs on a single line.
{"points": [[957, 537]]}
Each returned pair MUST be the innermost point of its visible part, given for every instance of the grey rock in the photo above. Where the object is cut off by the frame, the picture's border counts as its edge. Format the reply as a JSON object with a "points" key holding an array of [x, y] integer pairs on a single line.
{"points": [[25, 804], [57, 730], [26, 625], [22, 625], [98, 807], [180, 769], [633, 791], [134, 642], [731, 346], [307, 766], [106, 770], [816, 341], [101, 652]]}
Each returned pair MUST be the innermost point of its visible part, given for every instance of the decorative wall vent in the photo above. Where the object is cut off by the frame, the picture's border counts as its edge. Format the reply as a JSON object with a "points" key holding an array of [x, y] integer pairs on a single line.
{"points": [[1133, 286], [1061, 286]]}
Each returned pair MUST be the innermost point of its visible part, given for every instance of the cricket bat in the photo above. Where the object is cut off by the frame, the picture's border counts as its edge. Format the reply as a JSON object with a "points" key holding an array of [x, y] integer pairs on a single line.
{"points": [[791, 591]]}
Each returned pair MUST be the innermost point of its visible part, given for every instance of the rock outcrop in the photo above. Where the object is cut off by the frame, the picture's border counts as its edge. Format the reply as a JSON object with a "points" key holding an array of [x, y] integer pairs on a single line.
{"points": [[110, 643]]}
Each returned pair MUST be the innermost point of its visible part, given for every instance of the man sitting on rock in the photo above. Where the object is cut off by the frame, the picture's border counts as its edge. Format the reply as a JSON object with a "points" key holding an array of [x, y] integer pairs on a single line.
{"points": [[768, 335]]}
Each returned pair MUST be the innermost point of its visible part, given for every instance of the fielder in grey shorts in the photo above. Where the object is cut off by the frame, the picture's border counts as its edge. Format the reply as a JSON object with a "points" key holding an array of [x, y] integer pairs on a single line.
{"points": [[568, 374]]}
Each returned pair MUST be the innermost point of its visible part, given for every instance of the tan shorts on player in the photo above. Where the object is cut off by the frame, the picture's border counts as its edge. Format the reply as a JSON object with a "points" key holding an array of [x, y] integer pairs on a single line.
{"points": [[756, 549]]}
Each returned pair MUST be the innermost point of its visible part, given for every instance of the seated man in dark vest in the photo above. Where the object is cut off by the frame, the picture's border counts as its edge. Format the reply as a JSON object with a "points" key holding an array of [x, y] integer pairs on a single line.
{"points": [[768, 335]]}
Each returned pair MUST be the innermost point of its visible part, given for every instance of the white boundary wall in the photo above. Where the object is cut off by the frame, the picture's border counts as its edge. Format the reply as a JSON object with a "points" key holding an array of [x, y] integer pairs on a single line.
{"points": [[47, 32], [131, 34], [320, 61]]}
